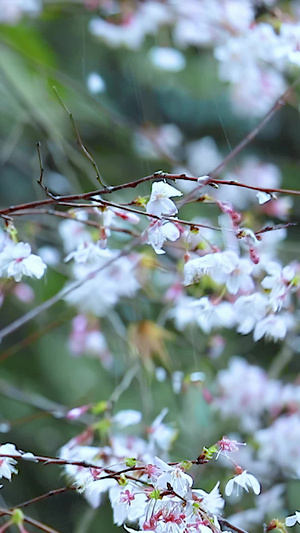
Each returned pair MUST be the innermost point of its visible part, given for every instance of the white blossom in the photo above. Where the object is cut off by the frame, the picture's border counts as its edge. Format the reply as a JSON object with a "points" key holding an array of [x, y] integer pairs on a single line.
{"points": [[159, 231], [167, 58], [249, 311], [161, 435], [127, 417], [244, 480], [73, 232], [128, 503], [103, 285], [292, 520], [7, 464], [273, 327], [160, 203], [279, 282], [180, 482], [16, 261], [212, 501], [263, 197]]}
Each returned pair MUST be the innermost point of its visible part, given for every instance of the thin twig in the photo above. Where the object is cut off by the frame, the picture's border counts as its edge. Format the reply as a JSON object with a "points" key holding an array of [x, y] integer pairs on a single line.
{"points": [[83, 148], [225, 522], [53, 492], [61, 214], [280, 102], [65, 200], [40, 180], [31, 521], [277, 227]]}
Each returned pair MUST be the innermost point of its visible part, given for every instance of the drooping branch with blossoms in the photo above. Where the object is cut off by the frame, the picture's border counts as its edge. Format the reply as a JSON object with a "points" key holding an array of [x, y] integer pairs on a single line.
{"points": [[201, 249], [155, 493]]}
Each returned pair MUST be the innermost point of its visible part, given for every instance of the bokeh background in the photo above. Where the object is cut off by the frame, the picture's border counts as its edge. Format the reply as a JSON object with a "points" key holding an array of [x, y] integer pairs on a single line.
{"points": [[38, 375]]}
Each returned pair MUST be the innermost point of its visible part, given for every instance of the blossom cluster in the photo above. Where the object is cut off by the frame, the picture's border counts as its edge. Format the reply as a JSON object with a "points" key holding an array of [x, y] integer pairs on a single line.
{"points": [[11, 12], [252, 290], [142, 488], [267, 409], [139, 271], [255, 43], [255, 47]]}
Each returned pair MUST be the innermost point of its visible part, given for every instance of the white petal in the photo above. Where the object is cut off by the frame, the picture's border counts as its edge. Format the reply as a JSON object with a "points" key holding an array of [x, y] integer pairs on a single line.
{"points": [[263, 197], [291, 520], [229, 487], [127, 417], [253, 483]]}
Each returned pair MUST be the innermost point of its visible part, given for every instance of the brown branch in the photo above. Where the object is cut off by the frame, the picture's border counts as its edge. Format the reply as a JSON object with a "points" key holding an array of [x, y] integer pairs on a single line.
{"points": [[61, 214], [225, 522], [162, 175], [40, 180], [31, 521], [53, 492], [111, 474], [254, 188], [65, 200], [46, 460], [277, 227]]}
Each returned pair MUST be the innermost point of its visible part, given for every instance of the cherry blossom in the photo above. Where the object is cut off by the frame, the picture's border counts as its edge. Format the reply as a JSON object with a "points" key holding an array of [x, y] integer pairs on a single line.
{"points": [[132, 31], [7, 464], [244, 480], [159, 232], [103, 287], [273, 327], [152, 142], [87, 338], [279, 281], [293, 519], [160, 203], [228, 445], [241, 284], [263, 197], [16, 260], [96, 489], [11, 12], [161, 435], [210, 315], [128, 503], [211, 501], [74, 233], [249, 311], [174, 477], [281, 440], [243, 388], [166, 58], [223, 267], [127, 417]]}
